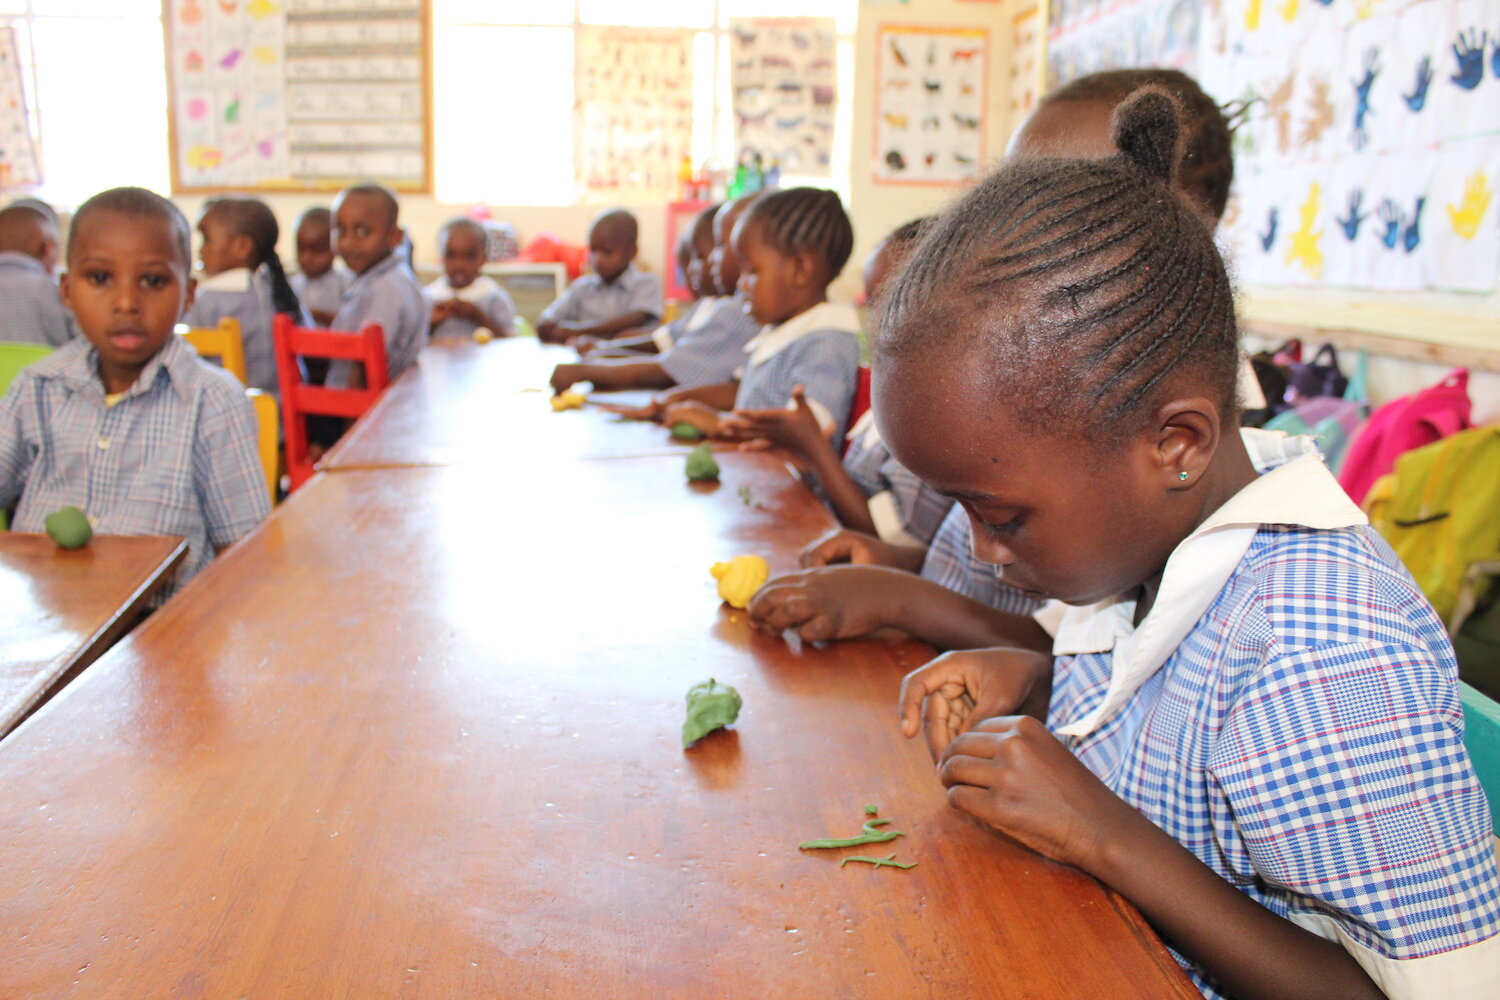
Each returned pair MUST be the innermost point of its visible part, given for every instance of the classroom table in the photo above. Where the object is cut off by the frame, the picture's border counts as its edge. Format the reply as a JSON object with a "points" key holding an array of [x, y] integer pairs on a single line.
{"points": [[419, 736], [489, 402], [60, 608]]}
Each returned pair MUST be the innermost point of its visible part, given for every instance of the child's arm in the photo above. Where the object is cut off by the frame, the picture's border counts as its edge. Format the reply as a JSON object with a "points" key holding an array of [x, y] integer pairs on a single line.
{"points": [[707, 401], [230, 480], [605, 329], [612, 374], [643, 344]]}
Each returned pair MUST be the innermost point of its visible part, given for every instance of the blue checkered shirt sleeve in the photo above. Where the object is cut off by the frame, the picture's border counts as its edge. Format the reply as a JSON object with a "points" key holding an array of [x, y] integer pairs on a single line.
{"points": [[951, 563], [918, 508], [568, 306], [710, 354], [824, 362]]}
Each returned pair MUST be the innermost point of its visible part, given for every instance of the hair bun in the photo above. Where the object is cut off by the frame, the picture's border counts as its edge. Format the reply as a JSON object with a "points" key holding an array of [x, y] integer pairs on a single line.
{"points": [[1147, 128]]}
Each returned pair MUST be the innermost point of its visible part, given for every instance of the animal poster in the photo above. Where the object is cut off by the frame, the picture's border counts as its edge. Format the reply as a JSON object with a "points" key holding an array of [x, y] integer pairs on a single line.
{"points": [[18, 160], [298, 94], [1088, 36], [635, 110], [1369, 151], [1027, 75], [930, 91], [784, 84]]}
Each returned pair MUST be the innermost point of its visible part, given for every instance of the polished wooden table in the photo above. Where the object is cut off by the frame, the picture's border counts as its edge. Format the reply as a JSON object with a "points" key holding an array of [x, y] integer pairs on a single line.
{"points": [[419, 736], [60, 609]]}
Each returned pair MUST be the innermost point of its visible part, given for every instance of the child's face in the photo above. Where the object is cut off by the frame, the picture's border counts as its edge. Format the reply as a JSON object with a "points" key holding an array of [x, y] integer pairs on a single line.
{"points": [[769, 279], [722, 263], [880, 266], [695, 270], [463, 255], [363, 233], [609, 255], [314, 248], [221, 248], [127, 284]]}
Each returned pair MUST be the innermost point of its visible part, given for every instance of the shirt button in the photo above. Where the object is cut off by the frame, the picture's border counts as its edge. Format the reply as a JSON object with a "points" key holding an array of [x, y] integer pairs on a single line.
{"points": [[103, 443]]}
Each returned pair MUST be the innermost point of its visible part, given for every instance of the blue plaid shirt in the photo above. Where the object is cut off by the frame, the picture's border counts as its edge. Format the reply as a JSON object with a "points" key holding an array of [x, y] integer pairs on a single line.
{"points": [[589, 300], [951, 562], [387, 294], [175, 456], [31, 311], [486, 293], [818, 349], [708, 353], [906, 511]]}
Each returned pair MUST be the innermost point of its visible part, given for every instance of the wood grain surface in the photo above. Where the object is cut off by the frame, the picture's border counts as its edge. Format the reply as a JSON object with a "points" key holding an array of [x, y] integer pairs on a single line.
{"points": [[419, 736], [60, 608]]}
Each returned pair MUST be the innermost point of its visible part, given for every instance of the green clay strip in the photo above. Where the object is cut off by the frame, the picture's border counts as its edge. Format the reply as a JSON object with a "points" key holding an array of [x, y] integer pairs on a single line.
{"points": [[871, 836], [889, 861]]}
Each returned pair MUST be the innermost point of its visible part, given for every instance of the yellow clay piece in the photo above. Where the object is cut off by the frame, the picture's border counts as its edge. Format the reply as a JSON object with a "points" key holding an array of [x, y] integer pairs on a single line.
{"points": [[567, 401], [740, 578], [482, 335]]}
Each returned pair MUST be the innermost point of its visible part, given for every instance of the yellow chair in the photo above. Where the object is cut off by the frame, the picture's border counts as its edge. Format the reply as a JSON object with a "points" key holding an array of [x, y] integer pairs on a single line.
{"points": [[267, 436], [224, 342]]}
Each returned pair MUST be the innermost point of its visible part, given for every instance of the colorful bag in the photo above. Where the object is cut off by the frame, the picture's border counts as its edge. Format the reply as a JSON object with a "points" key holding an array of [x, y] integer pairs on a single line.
{"points": [[1331, 421], [1401, 425], [1310, 379]]}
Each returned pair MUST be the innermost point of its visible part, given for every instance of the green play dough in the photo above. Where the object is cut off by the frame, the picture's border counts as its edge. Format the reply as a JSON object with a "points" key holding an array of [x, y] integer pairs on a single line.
{"points": [[69, 528], [710, 706], [701, 466], [684, 431]]}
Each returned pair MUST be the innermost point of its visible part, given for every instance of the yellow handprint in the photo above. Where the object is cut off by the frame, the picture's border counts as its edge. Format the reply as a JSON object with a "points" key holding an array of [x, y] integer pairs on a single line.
{"points": [[1252, 15], [1288, 11], [1467, 215], [1304, 249]]}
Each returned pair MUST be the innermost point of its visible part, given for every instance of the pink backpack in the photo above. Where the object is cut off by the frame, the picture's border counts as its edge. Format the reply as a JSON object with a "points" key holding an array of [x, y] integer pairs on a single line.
{"points": [[1404, 424]]}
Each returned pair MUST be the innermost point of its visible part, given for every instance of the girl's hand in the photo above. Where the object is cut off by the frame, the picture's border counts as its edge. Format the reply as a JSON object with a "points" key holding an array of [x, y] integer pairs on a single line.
{"points": [[796, 430], [840, 602], [844, 546], [651, 411], [584, 343], [958, 690], [701, 416], [565, 376]]}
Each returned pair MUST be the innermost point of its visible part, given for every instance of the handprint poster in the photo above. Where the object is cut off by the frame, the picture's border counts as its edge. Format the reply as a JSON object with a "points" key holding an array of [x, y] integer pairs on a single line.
{"points": [[1368, 155]]}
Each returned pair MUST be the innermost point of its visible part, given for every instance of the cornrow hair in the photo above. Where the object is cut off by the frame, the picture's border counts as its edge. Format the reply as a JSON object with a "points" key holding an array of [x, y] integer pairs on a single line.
{"points": [[910, 232], [1207, 159], [139, 203], [253, 218], [805, 220], [1086, 287]]}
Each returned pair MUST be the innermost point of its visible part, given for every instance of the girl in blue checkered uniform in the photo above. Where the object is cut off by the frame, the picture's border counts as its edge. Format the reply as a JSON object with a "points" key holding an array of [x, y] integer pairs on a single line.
{"points": [[1247, 723]]}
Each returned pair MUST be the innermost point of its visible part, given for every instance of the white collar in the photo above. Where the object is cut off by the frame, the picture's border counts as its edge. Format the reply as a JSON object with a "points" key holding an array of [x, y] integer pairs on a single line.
{"points": [[236, 279], [1297, 489], [823, 316], [701, 312], [865, 427], [472, 292]]}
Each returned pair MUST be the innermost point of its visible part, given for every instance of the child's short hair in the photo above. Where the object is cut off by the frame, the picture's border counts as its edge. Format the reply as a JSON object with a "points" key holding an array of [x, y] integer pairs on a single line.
{"points": [[805, 220], [319, 215], [380, 193], [463, 222], [140, 203], [616, 224], [1083, 284], [1207, 168]]}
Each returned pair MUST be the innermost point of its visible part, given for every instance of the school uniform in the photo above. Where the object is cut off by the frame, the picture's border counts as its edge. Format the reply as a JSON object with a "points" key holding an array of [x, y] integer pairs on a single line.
{"points": [[905, 510], [387, 294], [1287, 711], [709, 344], [951, 563], [175, 454], [486, 293], [325, 293], [589, 300], [31, 310], [245, 296], [817, 349]]}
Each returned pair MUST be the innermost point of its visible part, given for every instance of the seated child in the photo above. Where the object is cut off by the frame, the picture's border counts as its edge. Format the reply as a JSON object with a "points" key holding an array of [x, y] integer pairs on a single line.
{"points": [[707, 343], [127, 423], [319, 283], [32, 311], [243, 279], [1248, 724], [615, 297], [463, 300], [869, 490], [791, 245], [689, 267]]}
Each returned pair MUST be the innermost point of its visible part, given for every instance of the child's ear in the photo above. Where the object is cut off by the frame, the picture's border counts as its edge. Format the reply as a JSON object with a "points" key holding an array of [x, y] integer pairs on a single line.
{"points": [[243, 248], [807, 269], [1188, 431], [395, 237], [631, 255], [189, 295]]}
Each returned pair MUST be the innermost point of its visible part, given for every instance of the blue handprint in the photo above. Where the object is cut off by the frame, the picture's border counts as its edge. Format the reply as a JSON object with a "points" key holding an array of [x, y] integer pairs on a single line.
{"points": [[1412, 237], [1468, 49], [1495, 56], [1355, 220], [1325, 3], [1269, 236], [1362, 88], [1390, 217], [1417, 99]]}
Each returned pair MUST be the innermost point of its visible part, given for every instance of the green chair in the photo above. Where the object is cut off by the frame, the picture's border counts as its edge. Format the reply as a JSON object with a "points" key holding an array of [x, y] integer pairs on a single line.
{"points": [[14, 357], [1482, 737], [523, 327]]}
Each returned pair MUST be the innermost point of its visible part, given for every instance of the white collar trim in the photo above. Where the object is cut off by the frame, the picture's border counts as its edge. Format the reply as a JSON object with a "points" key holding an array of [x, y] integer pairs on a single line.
{"points": [[236, 279], [472, 292], [824, 316]]}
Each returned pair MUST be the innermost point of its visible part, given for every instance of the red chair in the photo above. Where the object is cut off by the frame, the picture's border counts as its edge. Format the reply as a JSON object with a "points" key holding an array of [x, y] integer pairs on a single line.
{"points": [[300, 400], [861, 401]]}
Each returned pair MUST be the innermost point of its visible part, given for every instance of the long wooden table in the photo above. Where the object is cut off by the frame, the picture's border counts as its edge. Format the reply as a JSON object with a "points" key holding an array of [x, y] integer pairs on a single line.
{"points": [[60, 609]]}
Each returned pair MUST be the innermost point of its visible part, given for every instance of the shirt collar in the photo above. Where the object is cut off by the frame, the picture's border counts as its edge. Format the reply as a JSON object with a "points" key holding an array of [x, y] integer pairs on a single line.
{"points": [[391, 261], [1295, 488], [236, 279], [24, 261], [824, 316], [176, 361], [472, 292]]}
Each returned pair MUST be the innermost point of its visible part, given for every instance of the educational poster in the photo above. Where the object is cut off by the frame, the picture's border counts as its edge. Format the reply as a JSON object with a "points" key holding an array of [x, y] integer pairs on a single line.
{"points": [[1087, 36], [1027, 76], [298, 94], [18, 161], [635, 110], [782, 75], [1369, 155], [929, 104]]}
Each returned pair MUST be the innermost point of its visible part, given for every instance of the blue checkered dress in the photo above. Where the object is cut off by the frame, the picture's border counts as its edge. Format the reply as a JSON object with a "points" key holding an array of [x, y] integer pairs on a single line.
{"points": [[246, 298], [1305, 742], [951, 562], [824, 362], [920, 508], [31, 311], [176, 456], [710, 353]]}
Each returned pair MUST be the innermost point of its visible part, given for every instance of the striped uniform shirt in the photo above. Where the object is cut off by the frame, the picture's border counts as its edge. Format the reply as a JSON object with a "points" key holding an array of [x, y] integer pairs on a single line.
{"points": [[240, 295], [485, 292], [906, 511], [590, 300], [31, 311], [817, 349], [1288, 712], [707, 352], [176, 455], [951, 562], [387, 294]]}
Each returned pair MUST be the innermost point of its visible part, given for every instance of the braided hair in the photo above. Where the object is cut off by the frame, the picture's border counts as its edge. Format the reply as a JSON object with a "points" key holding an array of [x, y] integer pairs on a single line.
{"points": [[1086, 287], [805, 220], [139, 203], [252, 218]]}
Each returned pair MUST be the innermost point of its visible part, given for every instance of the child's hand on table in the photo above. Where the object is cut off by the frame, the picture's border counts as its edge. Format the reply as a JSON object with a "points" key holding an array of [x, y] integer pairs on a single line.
{"points": [[584, 343], [948, 696], [796, 430], [565, 376], [548, 332], [467, 311], [650, 411], [835, 602], [441, 311], [703, 417], [842, 545]]}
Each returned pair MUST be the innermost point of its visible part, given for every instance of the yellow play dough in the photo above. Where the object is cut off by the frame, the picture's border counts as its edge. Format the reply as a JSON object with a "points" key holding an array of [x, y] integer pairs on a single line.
{"points": [[567, 401], [740, 578]]}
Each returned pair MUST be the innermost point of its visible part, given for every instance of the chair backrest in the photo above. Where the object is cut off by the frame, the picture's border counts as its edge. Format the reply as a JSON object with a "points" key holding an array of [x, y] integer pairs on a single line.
{"points": [[300, 400], [1482, 738], [267, 436], [225, 342], [14, 357], [861, 401]]}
